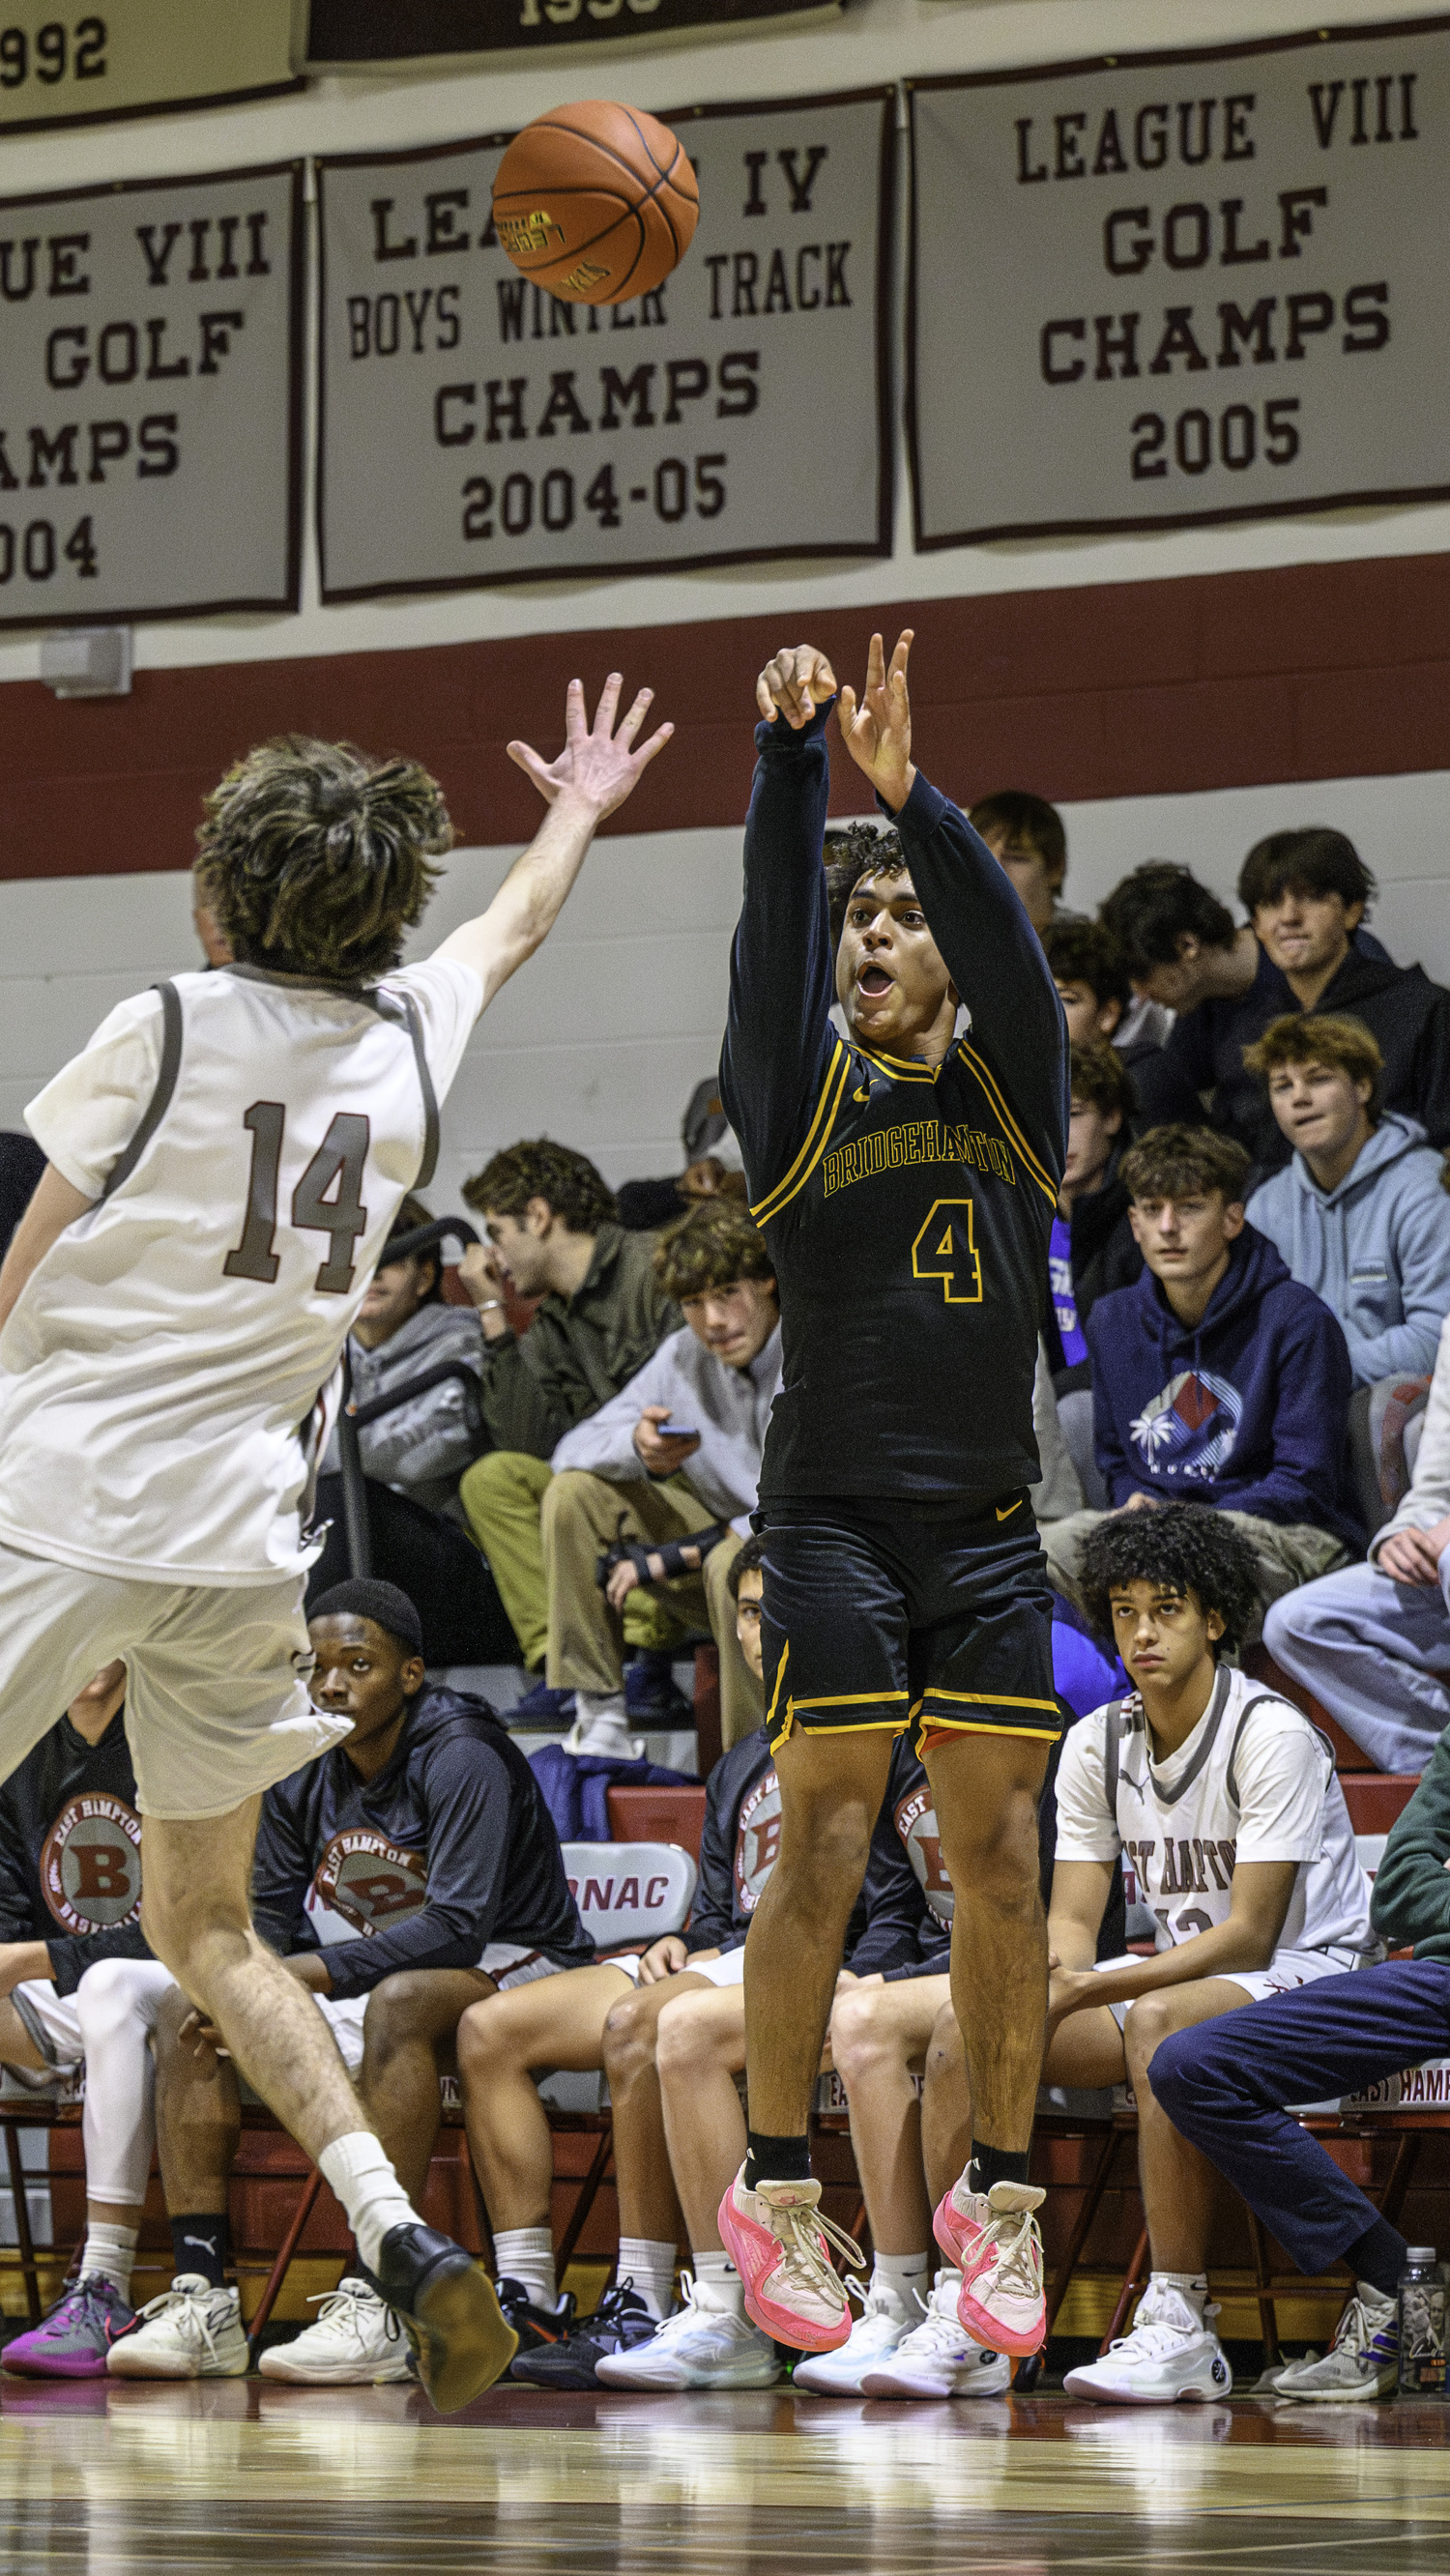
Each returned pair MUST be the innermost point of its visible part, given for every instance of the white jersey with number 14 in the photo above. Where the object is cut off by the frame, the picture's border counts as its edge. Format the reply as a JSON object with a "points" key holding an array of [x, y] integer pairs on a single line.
{"points": [[247, 1139]]}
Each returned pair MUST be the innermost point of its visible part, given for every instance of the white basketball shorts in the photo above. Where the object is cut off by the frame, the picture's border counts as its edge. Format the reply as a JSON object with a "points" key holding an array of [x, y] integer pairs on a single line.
{"points": [[217, 1703], [1286, 1970]]}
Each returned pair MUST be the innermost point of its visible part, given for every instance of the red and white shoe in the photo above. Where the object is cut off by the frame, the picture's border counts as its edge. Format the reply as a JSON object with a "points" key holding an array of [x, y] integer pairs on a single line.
{"points": [[780, 2244], [994, 2240]]}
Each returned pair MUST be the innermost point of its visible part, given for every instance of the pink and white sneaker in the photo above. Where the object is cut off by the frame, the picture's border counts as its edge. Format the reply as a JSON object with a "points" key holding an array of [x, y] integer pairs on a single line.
{"points": [[780, 2244], [994, 2240]]}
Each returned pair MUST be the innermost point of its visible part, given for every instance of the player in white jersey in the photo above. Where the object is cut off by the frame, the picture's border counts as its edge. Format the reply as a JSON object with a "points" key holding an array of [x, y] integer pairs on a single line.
{"points": [[224, 1162], [1221, 1801]]}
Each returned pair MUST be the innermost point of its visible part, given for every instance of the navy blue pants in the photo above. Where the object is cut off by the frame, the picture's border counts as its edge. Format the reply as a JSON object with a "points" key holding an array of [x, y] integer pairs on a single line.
{"points": [[1223, 2085]]}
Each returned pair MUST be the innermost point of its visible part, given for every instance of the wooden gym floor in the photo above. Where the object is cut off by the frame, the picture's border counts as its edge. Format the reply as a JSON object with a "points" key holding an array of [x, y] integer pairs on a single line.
{"points": [[116, 2480]]}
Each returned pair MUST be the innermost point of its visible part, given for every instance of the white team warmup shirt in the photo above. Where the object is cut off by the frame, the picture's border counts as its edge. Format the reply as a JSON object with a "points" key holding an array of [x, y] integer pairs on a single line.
{"points": [[159, 1373], [1253, 1782]]}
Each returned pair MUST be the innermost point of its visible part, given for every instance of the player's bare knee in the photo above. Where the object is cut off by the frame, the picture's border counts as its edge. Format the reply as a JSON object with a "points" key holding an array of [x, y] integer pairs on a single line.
{"points": [[1148, 2021], [485, 2041], [395, 2016], [861, 2033], [629, 2035], [685, 2040], [945, 2054]]}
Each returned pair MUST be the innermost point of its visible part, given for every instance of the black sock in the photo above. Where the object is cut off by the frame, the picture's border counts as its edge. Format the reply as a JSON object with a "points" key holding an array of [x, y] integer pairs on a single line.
{"points": [[1378, 2257], [777, 2160], [996, 2164], [203, 2245]]}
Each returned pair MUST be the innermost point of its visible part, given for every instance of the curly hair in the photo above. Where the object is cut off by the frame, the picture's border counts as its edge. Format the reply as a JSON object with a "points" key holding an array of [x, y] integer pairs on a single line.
{"points": [[749, 1560], [1307, 1037], [712, 1247], [539, 1169], [1097, 1074], [315, 858], [1170, 1161], [853, 851], [1187, 1548]]}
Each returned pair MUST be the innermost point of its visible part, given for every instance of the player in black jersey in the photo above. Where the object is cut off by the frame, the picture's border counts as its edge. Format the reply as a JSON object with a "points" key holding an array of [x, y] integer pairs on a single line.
{"points": [[905, 1180]]}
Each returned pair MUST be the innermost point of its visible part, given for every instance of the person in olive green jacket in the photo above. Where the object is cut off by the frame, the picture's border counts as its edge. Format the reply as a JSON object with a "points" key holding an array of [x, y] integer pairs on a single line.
{"points": [[1411, 1901], [550, 1221]]}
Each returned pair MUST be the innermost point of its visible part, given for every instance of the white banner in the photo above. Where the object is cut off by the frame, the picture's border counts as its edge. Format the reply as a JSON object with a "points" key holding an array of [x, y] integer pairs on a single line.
{"points": [[474, 429], [150, 399], [131, 57], [1156, 289]]}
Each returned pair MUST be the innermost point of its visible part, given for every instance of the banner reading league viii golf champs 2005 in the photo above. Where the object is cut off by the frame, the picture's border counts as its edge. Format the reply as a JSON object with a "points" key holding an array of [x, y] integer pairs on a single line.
{"points": [[1177, 287], [150, 398], [474, 429]]}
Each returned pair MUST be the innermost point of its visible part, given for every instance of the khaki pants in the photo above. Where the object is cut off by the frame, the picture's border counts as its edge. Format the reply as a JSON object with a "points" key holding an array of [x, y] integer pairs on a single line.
{"points": [[503, 1494], [582, 1515], [1286, 1555]]}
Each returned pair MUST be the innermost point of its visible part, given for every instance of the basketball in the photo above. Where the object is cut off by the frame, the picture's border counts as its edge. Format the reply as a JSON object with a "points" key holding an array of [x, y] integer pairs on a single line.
{"points": [[596, 202]]}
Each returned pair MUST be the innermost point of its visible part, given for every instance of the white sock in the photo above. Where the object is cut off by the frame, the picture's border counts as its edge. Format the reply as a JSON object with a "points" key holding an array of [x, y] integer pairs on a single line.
{"points": [[649, 2261], [1191, 2286], [527, 2254], [110, 2251], [360, 2173], [907, 2277], [718, 2285], [594, 1705]]}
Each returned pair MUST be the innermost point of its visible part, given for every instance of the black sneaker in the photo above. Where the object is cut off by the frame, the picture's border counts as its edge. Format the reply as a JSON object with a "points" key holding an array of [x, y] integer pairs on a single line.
{"points": [[538, 2329], [450, 2313], [652, 1697], [620, 2321]]}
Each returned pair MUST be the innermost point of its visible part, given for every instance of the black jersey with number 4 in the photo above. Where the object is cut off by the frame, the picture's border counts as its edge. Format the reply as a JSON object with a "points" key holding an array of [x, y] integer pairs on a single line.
{"points": [[907, 1207]]}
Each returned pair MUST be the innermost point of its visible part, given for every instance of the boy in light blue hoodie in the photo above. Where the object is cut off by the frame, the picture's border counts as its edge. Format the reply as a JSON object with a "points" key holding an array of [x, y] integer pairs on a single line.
{"points": [[1360, 1215]]}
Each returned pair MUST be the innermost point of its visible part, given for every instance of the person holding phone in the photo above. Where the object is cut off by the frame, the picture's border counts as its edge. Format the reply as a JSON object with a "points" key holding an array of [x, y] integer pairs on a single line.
{"points": [[656, 1488]]}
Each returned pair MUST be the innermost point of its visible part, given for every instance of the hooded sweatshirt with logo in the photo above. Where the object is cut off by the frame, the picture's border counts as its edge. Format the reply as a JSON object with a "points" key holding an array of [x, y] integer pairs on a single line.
{"points": [[1376, 1249], [450, 1848], [1246, 1410], [70, 1851], [738, 1851]]}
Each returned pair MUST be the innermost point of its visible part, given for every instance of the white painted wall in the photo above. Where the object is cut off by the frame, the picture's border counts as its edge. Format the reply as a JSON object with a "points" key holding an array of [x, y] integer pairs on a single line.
{"points": [[602, 1038]]}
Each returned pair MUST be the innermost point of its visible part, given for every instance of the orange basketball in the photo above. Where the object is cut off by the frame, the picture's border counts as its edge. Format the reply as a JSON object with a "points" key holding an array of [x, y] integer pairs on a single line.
{"points": [[595, 202]]}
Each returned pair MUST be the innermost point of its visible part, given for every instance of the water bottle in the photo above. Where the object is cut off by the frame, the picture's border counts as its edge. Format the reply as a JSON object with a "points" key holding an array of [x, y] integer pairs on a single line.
{"points": [[1422, 2323]]}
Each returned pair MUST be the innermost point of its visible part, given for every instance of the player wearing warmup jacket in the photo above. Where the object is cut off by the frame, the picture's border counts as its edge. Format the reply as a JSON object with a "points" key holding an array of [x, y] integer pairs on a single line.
{"points": [[80, 1988], [905, 1179], [224, 1161]]}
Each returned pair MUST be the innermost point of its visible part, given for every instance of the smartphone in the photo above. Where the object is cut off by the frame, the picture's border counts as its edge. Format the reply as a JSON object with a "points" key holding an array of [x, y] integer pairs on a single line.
{"points": [[676, 1431]]}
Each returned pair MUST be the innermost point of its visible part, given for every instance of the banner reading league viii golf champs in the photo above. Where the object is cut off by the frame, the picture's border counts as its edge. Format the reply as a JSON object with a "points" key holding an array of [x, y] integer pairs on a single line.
{"points": [[150, 398], [475, 430], [1182, 287]]}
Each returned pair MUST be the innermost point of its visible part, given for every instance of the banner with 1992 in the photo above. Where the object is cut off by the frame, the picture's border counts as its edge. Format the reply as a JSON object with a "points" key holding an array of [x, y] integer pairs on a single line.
{"points": [[476, 430]]}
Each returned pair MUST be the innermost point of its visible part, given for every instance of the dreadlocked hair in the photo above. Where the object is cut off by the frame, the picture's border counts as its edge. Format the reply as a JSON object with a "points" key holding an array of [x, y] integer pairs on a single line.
{"points": [[1186, 1548], [316, 859], [853, 851]]}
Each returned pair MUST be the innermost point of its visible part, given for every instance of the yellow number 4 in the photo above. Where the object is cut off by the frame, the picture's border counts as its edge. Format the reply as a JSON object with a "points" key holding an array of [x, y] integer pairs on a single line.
{"points": [[944, 1250]]}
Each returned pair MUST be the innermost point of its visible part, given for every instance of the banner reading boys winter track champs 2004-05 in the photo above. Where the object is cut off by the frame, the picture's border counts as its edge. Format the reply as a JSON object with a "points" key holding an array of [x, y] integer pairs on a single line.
{"points": [[1164, 288], [150, 399], [473, 429]]}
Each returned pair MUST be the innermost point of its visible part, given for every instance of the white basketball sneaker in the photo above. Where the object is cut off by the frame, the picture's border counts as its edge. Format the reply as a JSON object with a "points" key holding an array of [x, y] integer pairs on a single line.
{"points": [[938, 2358], [883, 2321], [1172, 2352], [1362, 2361], [193, 2331], [698, 2347], [355, 2342]]}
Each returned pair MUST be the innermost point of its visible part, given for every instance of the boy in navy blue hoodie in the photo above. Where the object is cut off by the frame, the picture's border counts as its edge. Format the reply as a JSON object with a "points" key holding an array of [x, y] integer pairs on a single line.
{"points": [[1216, 1378]]}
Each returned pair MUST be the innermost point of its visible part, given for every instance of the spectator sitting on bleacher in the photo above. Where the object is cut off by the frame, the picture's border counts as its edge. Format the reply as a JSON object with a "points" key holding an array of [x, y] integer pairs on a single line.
{"points": [[1373, 1642], [550, 1220], [79, 1987], [1225, 1802], [1026, 837], [645, 1506], [1097, 998], [1215, 1378], [1360, 1214], [1093, 1247], [413, 1457], [402, 1876]]}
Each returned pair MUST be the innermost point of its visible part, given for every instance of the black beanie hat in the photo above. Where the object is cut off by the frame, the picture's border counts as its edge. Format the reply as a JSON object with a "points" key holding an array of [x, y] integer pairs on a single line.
{"points": [[363, 1598]]}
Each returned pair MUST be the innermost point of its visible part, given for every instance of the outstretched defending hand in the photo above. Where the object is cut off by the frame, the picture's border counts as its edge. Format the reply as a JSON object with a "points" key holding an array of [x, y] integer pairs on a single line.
{"points": [[877, 732], [799, 680], [597, 765]]}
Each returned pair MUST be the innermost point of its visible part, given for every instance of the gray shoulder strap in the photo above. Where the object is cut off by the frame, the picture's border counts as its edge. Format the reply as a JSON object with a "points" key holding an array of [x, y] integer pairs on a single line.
{"points": [[1112, 1745], [160, 1100], [393, 1006], [1231, 1777]]}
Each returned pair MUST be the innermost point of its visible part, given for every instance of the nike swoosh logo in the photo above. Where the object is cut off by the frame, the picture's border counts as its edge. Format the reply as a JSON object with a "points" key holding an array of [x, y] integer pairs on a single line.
{"points": [[1011, 1508]]}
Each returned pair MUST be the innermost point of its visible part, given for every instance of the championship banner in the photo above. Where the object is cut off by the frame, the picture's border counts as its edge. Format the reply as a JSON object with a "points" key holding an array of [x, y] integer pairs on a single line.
{"points": [[133, 57], [474, 429], [373, 35], [1165, 288], [151, 399]]}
